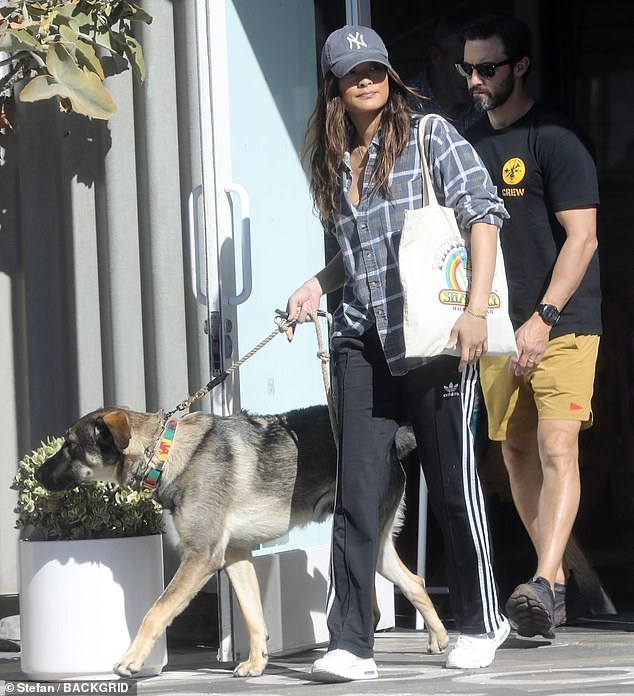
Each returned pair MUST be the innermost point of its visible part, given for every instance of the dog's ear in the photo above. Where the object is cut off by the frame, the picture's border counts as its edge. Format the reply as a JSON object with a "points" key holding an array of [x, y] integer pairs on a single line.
{"points": [[116, 427]]}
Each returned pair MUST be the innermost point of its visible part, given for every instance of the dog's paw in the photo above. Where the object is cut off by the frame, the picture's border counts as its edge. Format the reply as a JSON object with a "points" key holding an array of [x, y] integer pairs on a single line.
{"points": [[437, 643], [126, 668], [251, 667]]}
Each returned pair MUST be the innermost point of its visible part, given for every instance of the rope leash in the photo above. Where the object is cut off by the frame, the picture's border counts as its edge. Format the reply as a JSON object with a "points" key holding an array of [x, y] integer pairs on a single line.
{"points": [[157, 454], [324, 357], [282, 324]]}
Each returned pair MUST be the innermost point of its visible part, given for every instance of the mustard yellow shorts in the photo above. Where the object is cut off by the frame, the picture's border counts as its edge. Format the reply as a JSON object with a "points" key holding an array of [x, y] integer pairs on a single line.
{"points": [[560, 387]]}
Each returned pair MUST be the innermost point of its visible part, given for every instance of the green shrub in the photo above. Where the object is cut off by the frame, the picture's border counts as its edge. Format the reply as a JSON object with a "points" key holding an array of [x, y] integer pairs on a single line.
{"points": [[90, 511]]}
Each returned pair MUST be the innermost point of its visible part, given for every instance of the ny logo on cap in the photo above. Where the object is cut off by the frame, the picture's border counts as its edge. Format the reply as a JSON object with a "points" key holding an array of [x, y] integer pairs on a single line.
{"points": [[356, 40]]}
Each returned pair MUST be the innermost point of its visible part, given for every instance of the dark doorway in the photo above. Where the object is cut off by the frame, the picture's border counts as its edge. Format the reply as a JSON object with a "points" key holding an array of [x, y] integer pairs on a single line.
{"points": [[584, 66]]}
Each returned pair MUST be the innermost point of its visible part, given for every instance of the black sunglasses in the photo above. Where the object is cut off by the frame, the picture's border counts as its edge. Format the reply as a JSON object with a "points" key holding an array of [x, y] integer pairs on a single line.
{"points": [[483, 69]]}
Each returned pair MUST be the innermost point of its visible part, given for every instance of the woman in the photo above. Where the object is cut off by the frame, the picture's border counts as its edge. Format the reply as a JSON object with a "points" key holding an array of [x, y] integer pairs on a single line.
{"points": [[366, 171]]}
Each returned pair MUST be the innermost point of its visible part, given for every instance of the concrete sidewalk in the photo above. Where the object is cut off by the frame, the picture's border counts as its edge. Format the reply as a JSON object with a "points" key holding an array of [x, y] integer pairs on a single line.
{"points": [[595, 656]]}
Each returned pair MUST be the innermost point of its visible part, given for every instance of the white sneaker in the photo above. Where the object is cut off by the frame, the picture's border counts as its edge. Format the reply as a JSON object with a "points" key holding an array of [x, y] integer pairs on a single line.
{"points": [[471, 652], [341, 666]]}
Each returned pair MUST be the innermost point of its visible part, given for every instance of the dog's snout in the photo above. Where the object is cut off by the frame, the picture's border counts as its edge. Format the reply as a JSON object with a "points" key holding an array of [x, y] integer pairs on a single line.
{"points": [[56, 473], [43, 476]]}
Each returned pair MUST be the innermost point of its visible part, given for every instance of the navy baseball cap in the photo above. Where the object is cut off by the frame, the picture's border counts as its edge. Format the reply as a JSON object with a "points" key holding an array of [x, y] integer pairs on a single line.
{"points": [[349, 46]]}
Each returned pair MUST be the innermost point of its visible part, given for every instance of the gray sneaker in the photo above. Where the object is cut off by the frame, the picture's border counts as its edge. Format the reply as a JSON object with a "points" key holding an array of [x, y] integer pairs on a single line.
{"points": [[531, 608], [560, 614]]}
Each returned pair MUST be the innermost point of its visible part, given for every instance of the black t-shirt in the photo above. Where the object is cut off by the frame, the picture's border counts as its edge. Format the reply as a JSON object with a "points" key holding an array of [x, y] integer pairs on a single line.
{"points": [[541, 166]]}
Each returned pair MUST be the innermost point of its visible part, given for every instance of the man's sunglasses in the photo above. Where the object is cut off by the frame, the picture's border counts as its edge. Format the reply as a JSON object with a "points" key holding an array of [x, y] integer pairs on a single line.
{"points": [[483, 69]]}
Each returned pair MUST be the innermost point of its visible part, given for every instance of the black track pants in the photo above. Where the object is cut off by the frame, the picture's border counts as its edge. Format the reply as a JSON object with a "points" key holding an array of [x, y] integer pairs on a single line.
{"points": [[438, 401]]}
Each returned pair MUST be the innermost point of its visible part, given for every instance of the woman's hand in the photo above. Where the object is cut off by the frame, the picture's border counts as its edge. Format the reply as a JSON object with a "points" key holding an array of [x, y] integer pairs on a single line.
{"points": [[470, 333], [306, 298], [302, 303]]}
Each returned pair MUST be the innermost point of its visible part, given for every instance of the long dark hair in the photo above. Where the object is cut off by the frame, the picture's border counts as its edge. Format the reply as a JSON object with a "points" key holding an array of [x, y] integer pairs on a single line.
{"points": [[330, 131]]}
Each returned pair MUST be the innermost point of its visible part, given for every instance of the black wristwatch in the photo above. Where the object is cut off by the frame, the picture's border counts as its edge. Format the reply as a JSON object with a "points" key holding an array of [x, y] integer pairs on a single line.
{"points": [[549, 313]]}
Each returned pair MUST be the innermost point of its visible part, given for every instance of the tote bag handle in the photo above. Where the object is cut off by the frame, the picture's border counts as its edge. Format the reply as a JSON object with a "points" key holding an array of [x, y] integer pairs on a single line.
{"points": [[429, 195]]}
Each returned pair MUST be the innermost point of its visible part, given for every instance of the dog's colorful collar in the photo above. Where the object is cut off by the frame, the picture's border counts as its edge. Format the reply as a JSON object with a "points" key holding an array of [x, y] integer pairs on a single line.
{"points": [[153, 476]]}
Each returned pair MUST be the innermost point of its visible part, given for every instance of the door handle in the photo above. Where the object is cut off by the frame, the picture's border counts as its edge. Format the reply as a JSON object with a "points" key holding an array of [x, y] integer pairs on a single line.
{"points": [[194, 244], [245, 226]]}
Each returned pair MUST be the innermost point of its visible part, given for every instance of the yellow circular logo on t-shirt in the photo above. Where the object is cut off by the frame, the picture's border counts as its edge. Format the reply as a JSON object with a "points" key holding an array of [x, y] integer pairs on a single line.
{"points": [[513, 171]]}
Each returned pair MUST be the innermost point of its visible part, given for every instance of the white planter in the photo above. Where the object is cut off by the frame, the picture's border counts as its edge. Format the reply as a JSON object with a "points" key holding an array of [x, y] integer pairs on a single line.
{"points": [[82, 602]]}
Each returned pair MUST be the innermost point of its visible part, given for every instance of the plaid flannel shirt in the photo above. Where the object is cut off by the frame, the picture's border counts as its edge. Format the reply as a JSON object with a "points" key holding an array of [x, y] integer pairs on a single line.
{"points": [[368, 234]]}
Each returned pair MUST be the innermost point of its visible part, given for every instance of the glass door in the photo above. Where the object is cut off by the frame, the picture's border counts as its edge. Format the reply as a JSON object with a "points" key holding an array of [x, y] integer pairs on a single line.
{"points": [[258, 81]]}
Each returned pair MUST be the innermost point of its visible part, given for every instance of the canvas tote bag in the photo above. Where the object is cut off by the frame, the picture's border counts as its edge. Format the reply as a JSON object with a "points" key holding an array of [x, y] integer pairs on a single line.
{"points": [[435, 272]]}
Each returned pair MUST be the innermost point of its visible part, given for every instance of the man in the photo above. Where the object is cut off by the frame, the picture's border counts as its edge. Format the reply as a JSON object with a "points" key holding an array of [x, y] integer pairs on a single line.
{"points": [[444, 92], [538, 401]]}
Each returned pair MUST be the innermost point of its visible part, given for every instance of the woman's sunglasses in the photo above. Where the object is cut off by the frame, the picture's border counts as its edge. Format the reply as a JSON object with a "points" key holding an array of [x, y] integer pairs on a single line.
{"points": [[483, 69]]}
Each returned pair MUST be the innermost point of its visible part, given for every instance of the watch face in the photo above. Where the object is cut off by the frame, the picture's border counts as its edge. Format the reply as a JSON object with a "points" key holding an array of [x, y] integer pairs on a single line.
{"points": [[549, 313]]}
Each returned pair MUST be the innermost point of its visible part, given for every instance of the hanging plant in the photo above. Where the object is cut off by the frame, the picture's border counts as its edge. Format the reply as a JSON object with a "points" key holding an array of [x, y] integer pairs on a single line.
{"points": [[64, 49]]}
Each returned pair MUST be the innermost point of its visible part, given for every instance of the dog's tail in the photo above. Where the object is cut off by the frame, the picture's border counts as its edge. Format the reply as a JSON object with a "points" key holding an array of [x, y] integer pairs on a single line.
{"points": [[405, 442]]}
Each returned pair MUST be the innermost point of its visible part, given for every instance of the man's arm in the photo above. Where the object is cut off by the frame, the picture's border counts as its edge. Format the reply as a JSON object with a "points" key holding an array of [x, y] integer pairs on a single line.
{"points": [[572, 262], [575, 255]]}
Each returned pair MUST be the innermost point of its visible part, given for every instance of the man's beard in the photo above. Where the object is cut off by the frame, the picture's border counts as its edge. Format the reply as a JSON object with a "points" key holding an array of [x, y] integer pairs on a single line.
{"points": [[484, 102]]}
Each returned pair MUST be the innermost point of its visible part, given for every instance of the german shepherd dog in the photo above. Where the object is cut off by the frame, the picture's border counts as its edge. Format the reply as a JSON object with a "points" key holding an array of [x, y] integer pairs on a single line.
{"points": [[231, 483]]}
